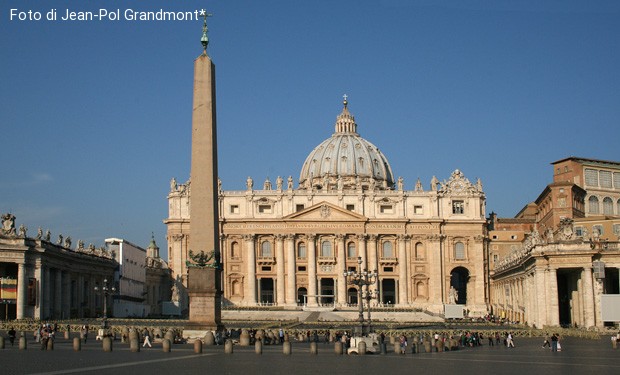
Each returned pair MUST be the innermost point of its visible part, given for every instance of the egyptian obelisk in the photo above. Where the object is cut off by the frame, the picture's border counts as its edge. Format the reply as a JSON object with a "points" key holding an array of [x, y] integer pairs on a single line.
{"points": [[204, 283]]}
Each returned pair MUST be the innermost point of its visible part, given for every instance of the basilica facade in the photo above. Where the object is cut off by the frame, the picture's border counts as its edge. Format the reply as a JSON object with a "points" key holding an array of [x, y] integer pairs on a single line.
{"points": [[289, 243]]}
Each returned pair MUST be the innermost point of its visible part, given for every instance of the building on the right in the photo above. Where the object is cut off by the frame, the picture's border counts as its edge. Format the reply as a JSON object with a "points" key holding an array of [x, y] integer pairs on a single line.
{"points": [[556, 262]]}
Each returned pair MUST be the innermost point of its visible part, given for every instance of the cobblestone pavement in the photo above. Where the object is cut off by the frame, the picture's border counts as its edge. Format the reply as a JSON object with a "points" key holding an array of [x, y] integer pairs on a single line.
{"points": [[578, 356]]}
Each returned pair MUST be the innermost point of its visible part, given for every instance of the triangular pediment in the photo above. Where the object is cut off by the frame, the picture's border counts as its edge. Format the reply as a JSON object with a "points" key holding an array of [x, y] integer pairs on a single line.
{"points": [[325, 212]]}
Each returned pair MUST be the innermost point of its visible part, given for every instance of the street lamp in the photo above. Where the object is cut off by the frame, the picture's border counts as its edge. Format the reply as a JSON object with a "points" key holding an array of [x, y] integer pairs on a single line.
{"points": [[361, 278], [105, 290]]}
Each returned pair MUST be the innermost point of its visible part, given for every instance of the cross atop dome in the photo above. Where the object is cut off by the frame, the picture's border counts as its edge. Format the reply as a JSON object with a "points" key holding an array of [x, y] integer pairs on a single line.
{"points": [[345, 100]]}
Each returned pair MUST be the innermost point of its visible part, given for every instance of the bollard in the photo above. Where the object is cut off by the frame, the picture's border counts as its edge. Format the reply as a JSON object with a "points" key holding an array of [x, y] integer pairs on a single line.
{"points": [[77, 344], [165, 345], [338, 348], [244, 338], [169, 336], [313, 348], [209, 339], [361, 348], [614, 342], [1, 342], [286, 348], [67, 335], [228, 346], [258, 347], [397, 349], [286, 337], [134, 345], [383, 346], [107, 344], [50, 344], [440, 345], [23, 344], [414, 348], [197, 346], [427, 346]]}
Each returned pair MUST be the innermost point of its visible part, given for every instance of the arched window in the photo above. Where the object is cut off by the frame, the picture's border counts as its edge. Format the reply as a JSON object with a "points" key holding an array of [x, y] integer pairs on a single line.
{"points": [[301, 250], [234, 249], [419, 251], [593, 205], [459, 251], [608, 206], [326, 249], [265, 249], [351, 253], [388, 250]]}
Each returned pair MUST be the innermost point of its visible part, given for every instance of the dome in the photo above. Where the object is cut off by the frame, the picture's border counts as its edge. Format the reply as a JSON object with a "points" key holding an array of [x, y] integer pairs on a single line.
{"points": [[346, 159]]}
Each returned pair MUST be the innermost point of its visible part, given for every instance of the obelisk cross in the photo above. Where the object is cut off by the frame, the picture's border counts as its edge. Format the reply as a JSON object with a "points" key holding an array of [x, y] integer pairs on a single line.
{"points": [[205, 39]]}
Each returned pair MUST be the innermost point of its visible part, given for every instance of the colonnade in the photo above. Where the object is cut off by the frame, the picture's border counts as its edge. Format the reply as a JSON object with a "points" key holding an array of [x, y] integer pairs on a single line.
{"points": [[48, 292], [286, 261]]}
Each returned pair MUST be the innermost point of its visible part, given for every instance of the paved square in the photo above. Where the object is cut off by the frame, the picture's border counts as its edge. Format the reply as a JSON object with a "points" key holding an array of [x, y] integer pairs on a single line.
{"points": [[577, 357]]}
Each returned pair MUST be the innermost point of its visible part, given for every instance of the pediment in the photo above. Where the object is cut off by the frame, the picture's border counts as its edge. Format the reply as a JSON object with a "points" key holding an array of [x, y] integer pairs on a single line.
{"points": [[325, 212]]}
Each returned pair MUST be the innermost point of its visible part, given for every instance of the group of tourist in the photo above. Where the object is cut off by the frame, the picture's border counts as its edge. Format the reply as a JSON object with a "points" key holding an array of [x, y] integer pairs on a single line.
{"points": [[552, 342]]}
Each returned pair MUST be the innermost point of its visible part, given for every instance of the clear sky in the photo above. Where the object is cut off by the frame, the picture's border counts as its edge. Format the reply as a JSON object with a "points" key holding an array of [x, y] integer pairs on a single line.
{"points": [[95, 116]]}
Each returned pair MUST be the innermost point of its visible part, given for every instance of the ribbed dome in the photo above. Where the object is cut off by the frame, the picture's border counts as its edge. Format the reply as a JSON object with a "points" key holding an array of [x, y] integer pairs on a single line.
{"points": [[347, 156]]}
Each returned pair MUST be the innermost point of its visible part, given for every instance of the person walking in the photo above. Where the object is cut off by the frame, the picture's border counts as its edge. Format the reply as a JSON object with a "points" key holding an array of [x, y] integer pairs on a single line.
{"points": [[12, 334], [546, 342], [147, 338]]}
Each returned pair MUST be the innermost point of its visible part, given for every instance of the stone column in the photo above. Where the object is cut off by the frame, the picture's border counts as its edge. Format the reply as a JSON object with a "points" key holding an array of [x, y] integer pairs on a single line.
{"points": [[92, 297], [58, 295], [80, 295], [588, 297], [280, 298], [554, 309], [372, 253], [66, 296], [341, 298], [540, 297], [311, 270], [46, 289], [250, 288], [291, 287], [22, 288], [373, 257], [361, 239], [403, 271]]}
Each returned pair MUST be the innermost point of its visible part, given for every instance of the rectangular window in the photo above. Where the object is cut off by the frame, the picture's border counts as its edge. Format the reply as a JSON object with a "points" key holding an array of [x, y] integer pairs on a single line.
{"points": [[418, 210], [598, 228], [494, 236], [299, 207], [617, 229], [234, 209], [386, 209], [301, 268], [605, 179], [264, 208], [617, 180], [495, 258], [266, 268], [388, 269], [579, 231], [591, 177], [458, 207], [351, 207]]}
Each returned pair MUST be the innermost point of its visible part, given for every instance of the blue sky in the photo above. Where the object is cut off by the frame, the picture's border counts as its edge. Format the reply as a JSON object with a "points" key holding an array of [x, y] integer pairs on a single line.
{"points": [[95, 116]]}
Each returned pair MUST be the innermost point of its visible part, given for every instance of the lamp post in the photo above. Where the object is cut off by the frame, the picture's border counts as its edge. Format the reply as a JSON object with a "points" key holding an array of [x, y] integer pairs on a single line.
{"points": [[362, 278], [105, 290]]}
